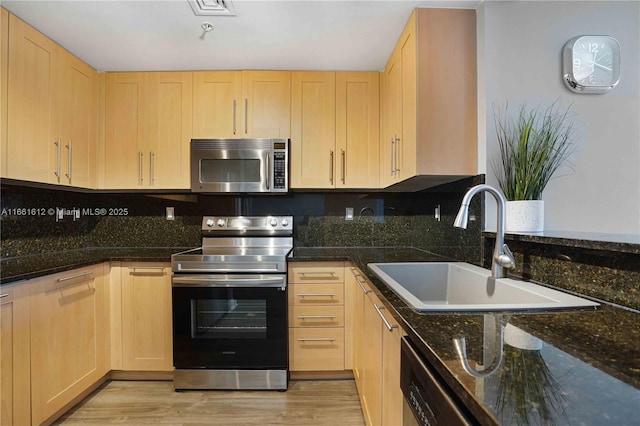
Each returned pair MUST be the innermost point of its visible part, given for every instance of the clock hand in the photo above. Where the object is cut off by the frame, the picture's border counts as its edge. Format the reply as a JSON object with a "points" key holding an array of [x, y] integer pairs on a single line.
{"points": [[601, 66]]}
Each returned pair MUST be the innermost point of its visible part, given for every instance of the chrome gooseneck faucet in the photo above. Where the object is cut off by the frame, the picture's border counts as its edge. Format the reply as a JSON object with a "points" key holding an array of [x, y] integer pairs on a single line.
{"points": [[502, 258]]}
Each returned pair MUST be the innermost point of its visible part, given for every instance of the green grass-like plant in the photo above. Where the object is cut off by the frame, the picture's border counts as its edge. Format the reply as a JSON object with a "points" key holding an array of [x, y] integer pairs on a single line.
{"points": [[532, 148]]}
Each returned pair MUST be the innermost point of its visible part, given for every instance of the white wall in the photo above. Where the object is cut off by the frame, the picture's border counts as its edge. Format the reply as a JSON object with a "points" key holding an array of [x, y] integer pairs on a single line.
{"points": [[520, 44]]}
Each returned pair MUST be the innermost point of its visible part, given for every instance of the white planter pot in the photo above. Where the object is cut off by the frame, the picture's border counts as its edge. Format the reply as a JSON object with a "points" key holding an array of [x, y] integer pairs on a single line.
{"points": [[525, 216], [513, 336]]}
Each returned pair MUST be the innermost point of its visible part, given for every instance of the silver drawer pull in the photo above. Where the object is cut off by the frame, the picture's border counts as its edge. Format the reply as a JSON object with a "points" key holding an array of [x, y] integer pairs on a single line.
{"points": [[384, 320], [361, 284], [353, 271], [72, 277], [317, 273], [316, 317], [4, 295], [147, 267], [317, 295], [316, 339]]}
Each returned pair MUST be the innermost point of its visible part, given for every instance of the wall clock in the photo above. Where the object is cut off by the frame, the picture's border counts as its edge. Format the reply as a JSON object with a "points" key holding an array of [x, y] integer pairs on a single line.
{"points": [[591, 64]]}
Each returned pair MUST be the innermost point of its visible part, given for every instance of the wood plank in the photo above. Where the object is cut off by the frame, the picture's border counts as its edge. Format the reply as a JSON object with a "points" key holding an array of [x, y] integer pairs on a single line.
{"points": [[328, 402]]}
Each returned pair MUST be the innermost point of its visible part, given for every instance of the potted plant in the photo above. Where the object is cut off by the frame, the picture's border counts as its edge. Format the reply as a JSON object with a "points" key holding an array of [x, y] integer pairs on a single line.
{"points": [[533, 146]]}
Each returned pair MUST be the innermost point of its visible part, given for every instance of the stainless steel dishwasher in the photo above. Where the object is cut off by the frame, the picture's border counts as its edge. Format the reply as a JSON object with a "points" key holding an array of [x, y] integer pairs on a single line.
{"points": [[426, 400]]}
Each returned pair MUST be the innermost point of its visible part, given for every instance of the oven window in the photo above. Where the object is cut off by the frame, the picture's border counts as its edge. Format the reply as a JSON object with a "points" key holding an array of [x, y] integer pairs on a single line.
{"points": [[230, 170], [229, 318]]}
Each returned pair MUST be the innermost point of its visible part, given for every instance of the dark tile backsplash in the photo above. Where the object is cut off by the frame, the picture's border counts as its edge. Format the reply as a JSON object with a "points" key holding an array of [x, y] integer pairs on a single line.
{"points": [[36, 220]]}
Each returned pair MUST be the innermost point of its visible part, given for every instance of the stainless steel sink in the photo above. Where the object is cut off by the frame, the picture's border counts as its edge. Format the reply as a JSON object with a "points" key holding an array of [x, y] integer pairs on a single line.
{"points": [[459, 286]]}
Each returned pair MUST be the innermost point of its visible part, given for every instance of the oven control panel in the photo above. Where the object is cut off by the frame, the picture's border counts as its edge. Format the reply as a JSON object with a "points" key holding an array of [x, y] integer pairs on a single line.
{"points": [[248, 224]]}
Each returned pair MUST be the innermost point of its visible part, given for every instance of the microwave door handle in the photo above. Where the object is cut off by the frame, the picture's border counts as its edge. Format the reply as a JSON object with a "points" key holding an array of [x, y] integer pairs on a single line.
{"points": [[268, 172]]}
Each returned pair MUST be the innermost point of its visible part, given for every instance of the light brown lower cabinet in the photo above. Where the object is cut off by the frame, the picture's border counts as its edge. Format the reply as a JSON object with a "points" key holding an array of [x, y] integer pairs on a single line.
{"points": [[146, 341], [68, 313], [376, 354], [15, 380]]}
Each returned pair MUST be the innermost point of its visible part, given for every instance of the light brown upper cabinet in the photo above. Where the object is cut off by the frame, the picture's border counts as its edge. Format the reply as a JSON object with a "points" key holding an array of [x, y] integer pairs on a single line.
{"points": [[148, 124], [429, 93], [4, 73], [242, 104], [357, 129], [51, 113], [335, 130]]}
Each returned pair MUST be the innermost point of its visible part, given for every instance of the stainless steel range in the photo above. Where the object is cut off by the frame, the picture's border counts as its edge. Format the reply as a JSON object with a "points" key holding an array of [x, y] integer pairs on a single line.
{"points": [[230, 305]]}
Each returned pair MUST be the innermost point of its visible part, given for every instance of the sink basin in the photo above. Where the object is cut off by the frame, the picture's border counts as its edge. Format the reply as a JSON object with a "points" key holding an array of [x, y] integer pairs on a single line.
{"points": [[459, 286]]}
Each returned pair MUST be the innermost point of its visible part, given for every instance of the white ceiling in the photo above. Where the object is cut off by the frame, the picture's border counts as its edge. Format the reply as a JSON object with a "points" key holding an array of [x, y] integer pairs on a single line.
{"points": [[142, 35]]}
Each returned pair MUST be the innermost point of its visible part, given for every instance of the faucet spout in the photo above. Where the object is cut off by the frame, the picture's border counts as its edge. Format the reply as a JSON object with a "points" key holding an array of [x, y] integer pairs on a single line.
{"points": [[502, 258]]}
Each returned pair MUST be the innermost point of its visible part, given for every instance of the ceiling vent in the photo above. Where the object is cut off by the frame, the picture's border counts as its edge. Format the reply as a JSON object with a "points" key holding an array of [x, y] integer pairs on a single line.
{"points": [[212, 7]]}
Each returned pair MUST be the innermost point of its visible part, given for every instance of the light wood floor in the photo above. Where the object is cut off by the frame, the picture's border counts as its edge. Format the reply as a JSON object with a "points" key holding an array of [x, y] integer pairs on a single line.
{"points": [[319, 402]]}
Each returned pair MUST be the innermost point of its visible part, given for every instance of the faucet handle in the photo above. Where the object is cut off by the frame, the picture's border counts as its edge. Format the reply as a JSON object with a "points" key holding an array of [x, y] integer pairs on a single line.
{"points": [[506, 259]]}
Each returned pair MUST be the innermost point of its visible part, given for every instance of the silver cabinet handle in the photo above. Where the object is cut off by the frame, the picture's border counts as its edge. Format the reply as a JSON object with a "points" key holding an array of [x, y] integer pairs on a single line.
{"points": [[395, 162], [72, 277], [316, 317], [246, 114], [152, 160], [267, 171], [234, 116], [331, 167], [69, 147], [140, 166], [342, 168], [148, 268], [384, 320], [353, 271], [362, 287], [57, 172], [392, 145], [316, 339], [317, 273], [317, 295], [2, 296]]}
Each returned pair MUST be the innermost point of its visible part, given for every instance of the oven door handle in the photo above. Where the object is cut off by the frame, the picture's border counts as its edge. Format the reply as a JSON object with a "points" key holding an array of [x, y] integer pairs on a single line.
{"points": [[227, 281]]}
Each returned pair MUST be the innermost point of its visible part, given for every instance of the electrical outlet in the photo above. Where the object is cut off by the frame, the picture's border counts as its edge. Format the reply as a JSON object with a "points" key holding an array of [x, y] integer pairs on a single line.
{"points": [[170, 213], [348, 213]]}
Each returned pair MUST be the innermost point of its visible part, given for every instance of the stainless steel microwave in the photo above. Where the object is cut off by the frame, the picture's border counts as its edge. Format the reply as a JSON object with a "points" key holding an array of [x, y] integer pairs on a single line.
{"points": [[240, 165]]}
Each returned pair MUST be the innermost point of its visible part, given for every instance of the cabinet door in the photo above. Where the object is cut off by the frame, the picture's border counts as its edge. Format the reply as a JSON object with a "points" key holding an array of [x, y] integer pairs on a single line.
{"points": [[146, 317], [126, 159], [406, 162], [4, 73], [372, 362], [170, 114], [15, 380], [33, 148], [266, 104], [354, 326], [68, 338], [78, 111], [357, 129], [392, 397], [217, 104], [313, 125], [392, 128]]}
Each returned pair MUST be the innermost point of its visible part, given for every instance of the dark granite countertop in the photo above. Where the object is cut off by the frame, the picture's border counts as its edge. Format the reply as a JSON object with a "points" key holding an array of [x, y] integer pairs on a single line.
{"points": [[586, 372], [624, 243], [33, 266]]}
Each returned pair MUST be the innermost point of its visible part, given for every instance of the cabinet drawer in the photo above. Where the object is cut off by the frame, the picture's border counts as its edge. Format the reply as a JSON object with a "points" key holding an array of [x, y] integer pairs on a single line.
{"points": [[316, 316], [316, 349], [316, 272], [316, 294]]}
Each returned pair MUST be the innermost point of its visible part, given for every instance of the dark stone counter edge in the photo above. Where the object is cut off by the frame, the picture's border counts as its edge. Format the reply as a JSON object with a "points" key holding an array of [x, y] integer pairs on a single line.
{"points": [[86, 257], [603, 242]]}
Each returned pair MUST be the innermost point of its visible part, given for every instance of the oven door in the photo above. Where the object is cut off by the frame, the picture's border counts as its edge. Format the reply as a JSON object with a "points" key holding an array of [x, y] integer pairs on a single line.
{"points": [[230, 321]]}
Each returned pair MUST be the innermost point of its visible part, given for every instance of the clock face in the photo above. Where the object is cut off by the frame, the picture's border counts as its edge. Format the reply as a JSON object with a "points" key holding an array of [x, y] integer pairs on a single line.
{"points": [[591, 64]]}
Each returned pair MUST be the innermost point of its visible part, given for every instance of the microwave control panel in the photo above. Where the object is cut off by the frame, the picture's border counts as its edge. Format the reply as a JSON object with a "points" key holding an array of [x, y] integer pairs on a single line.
{"points": [[279, 169]]}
